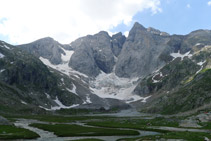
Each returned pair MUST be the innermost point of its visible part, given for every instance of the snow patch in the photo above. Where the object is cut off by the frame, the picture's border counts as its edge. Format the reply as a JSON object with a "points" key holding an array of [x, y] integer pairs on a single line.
{"points": [[198, 44], [63, 68], [111, 86], [23, 102], [145, 98], [157, 70], [160, 75], [60, 106], [62, 79], [88, 100], [1, 55], [179, 55], [73, 90], [67, 56], [199, 70], [155, 81], [2, 70], [45, 108], [135, 98], [200, 64], [59, 103], [5, 46], [48, 96]]}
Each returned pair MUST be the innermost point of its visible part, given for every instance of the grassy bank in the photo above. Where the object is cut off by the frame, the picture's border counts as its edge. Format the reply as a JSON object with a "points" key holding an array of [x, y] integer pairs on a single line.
{"points": [[67, 130], [58, 118], [12, 132], [141, 124], [91, 139], [190, 136]]}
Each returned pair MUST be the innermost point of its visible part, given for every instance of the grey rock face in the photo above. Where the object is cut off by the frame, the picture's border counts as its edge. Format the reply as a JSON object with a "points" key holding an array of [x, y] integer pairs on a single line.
{"points": [[202, 37], [117, 43], [93, 54], [140, 53], [157, 32], [47, 48], [67, 47]]}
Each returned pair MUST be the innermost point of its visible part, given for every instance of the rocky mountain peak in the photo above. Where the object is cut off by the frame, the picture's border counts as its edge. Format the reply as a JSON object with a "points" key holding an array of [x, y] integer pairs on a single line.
{"points": [[156, 31], [137, 26], [46, 39], [103, 33], [137, 30], [97, 51], [119, 34], [117, 42], [47, 48]]}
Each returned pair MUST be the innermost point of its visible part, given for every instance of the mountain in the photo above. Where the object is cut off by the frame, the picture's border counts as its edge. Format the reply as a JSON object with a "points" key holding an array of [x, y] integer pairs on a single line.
{"points": [[100, 51], [182, 85], [30, 86], [149, 70], [27, 82], [47, 48], [141, 52]]}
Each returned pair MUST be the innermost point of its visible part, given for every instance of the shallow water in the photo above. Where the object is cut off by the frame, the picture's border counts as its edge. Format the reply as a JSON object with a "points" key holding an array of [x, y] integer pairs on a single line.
{"points": [[181, 129], [49, 136]]}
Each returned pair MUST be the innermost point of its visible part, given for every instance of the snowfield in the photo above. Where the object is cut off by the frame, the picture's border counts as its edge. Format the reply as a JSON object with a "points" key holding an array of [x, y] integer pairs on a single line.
{"points": [[179, 55], [111, 86], [67, 56], [2, 70], [200, 64], [63, 68], [104, 85], [5, 46], [73, 90], [59, 106], [1, 56]]}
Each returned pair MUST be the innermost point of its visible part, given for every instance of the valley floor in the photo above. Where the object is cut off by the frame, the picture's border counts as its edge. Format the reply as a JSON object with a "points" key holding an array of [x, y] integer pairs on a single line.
{"points": [[108, 127]]}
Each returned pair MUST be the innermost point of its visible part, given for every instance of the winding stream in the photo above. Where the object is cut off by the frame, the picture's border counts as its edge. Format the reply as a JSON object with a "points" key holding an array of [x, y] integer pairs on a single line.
{"points": [[49, 136]]}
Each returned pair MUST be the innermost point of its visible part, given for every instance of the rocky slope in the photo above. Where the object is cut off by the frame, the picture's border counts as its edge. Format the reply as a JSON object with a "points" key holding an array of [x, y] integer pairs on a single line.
{"points": [[26, 83], [182, 85]]}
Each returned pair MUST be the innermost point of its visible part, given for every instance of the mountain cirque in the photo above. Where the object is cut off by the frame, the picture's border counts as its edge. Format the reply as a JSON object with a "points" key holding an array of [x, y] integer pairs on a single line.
{"points": [[149, 70]]}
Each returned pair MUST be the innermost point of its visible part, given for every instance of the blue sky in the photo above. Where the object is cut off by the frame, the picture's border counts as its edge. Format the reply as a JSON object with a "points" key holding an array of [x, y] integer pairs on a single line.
{"points": [[22, 22], [177, 17]]}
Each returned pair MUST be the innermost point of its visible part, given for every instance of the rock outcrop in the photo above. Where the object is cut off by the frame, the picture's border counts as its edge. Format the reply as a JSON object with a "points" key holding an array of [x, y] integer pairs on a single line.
{"points": [[47, 48], [93, 54]]}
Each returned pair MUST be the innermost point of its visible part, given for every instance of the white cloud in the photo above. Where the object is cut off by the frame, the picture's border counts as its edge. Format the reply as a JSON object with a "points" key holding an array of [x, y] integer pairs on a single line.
{"points": [[209, 3], [66, 20], [188, 6], [126, 33]]}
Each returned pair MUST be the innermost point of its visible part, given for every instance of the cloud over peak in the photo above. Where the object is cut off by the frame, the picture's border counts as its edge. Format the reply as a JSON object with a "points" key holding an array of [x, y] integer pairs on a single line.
{"points": [[65, 20]]}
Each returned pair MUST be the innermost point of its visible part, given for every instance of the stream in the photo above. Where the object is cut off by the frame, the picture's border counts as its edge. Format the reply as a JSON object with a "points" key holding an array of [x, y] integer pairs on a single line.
{"points": [[49, 136]]}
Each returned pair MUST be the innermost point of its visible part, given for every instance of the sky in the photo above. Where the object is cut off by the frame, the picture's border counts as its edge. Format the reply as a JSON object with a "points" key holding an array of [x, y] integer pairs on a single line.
{"points": [[23, 21]]}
